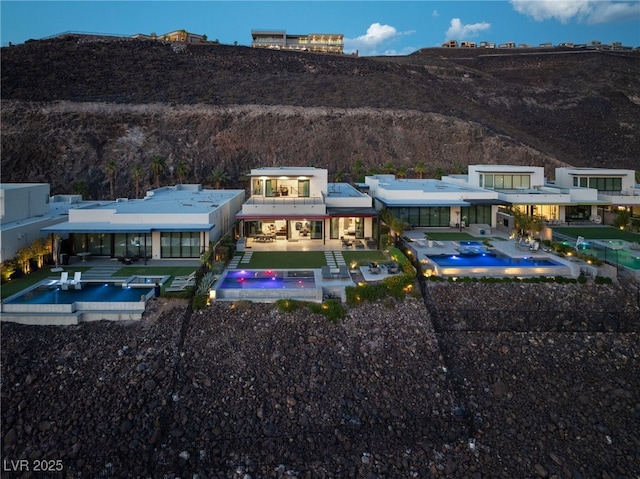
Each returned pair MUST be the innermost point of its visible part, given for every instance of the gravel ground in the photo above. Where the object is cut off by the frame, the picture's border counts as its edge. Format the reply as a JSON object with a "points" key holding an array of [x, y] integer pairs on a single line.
{"points": [[244, 391]]}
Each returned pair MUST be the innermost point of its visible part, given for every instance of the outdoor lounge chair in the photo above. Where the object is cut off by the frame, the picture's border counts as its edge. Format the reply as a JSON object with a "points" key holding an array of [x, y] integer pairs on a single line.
{"points": [[185, 278], [64, 277], [326, 272], [374, 268], [181, 284], [535, 246], [344, 272], [392, 267]]}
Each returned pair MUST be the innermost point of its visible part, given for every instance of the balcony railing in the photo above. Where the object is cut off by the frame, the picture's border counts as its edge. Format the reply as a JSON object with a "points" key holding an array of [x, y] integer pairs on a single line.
{"points": [[284, 200]]}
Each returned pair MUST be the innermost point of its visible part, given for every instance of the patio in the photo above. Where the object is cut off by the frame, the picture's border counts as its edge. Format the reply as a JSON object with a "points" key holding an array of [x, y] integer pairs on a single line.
{"points": [[302, 244]]}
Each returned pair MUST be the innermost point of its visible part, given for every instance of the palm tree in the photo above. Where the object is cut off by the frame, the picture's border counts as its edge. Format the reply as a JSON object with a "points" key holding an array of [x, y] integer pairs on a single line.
{"points": [[358, 170], [420, 169], [438, 173], [401, 172], [157, 168], [111, 170], [218, 177], [181, 170], [136, 173], [458, 169], [389, 168], [339, 177], [80, 188]]}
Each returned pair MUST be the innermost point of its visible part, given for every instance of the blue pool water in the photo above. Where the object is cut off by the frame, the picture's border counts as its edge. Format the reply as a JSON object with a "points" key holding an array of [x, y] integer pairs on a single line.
{"points": [[104, 293], [490, 260], [270, 279]]}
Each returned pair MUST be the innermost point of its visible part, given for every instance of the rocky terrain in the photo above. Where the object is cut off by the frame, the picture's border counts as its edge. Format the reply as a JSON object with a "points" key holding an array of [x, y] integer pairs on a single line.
{"points": [[242, 390], [73, 106]]}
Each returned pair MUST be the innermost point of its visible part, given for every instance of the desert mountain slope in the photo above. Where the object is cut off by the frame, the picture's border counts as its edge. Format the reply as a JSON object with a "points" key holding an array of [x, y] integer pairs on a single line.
{"points": [[70, 106]]}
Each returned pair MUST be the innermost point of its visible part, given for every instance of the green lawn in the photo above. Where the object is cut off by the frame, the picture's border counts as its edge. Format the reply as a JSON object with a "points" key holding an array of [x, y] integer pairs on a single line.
{"points": [[598, 232], [17, 285], [364, 257], [286, 260]]}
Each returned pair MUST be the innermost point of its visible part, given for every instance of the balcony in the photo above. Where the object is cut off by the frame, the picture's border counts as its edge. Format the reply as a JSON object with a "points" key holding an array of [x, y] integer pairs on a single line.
{"points": [[284, 205]]}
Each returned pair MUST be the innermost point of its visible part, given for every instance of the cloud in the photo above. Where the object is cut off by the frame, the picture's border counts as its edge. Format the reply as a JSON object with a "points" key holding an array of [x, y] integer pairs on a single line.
{"points": [[373, 42], [435, 13], [459, 31], [612, 12], [587, 11]]}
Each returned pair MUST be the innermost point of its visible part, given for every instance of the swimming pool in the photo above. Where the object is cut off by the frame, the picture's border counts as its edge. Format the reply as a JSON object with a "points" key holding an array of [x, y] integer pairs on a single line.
{"points": [[53, 294], [268, 279], [267, 285], [48, 303], [490, 264]]}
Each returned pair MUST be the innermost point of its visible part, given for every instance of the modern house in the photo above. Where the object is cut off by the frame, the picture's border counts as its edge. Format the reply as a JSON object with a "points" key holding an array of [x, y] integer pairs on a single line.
{"points": [[169, 222], [26, 208], [484, 195], [617, 188], [182, 36], [312, 42], [433, 203], [299, 204]]}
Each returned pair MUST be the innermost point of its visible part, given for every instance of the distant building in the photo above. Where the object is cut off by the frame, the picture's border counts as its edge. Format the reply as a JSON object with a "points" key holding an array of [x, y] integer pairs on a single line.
{"points": [[26, 208], [450, 44], [175, 36], [312, 42], [169, 222]]}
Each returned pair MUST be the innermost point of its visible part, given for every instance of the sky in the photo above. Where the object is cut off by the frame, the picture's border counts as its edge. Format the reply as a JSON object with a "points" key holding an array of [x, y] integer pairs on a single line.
{"points": [[382, 27]]}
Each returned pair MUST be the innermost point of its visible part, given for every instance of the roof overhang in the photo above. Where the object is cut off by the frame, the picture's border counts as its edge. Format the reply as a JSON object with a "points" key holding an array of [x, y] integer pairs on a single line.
{"points": [[123, 228], [488, 201], [273, 217], [348, 212], [423, 203]]}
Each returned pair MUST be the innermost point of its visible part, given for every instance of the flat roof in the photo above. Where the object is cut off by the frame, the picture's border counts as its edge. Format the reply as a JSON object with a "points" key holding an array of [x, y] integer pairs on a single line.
{"points": [[427, 185], [344, 190], [169, 201], [104, 227]]}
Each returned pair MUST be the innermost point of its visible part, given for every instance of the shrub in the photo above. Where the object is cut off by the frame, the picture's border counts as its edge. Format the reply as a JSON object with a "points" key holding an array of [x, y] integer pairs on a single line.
{"points": [[288, 305], [603, 280], [333, 310], [199, 301]]}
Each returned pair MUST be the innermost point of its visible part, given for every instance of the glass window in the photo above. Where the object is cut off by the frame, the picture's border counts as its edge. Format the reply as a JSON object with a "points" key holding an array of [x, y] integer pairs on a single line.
{"points": [[488, 181], [257, 187], [335, 228], [303, 188], [180, 245], [316, 229]]}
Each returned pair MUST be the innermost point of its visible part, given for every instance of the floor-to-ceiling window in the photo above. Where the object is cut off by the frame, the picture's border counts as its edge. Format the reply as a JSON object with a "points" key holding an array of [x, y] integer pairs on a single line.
{"points": [[131, 244], [334, 230], [578, 213], [424, 216], [316, 229], [98, 244], [180, 245], [478, 214]]}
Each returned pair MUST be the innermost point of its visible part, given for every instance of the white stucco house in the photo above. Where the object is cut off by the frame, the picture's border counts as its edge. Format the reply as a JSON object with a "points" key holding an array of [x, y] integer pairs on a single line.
{"points": [[484, 195], [298, 203], [169, 222], [26, 208]]}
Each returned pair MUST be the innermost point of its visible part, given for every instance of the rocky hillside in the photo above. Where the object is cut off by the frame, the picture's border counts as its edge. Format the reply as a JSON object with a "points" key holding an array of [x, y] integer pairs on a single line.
{"points": [[74, 105], [245, 391]]}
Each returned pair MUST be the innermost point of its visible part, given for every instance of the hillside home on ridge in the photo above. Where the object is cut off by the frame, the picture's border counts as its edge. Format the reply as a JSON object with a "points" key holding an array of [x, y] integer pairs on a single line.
{"points": [[298, 203]]}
